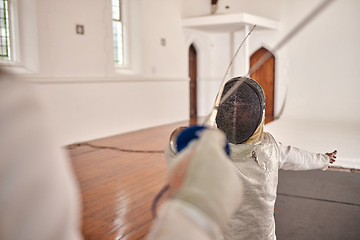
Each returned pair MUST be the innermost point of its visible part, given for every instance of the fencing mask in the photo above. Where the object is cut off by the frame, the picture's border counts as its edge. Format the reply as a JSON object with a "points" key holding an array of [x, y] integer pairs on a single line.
{"points": [[241, 113]]}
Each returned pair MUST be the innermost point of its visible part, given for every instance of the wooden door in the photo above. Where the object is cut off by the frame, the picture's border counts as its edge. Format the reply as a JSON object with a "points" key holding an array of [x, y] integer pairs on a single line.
{"points": [[193, 84], [265, 76]]}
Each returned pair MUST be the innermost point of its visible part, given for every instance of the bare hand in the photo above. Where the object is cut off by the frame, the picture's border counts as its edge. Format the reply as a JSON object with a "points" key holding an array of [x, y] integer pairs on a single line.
{"points": [[332, 156]]}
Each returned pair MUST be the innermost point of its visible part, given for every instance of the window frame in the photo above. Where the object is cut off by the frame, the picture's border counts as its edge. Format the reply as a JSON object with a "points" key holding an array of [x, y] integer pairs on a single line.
{"points": [[24, 37], [11, 58], [124, 9]]}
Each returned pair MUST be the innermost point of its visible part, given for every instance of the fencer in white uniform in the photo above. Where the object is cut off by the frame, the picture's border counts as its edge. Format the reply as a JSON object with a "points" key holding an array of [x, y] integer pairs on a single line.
{"points": [[39, 196], [258, 157]]}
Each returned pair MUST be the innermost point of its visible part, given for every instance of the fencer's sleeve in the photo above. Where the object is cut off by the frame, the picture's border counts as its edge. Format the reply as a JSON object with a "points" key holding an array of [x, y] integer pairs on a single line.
{"points": [[170, 156], [178, 220], [292, 158], [39, 197], [204, 191]]}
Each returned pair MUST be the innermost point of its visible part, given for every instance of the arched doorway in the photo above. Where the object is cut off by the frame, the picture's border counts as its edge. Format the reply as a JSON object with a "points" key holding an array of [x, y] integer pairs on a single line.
{"points": [[193, 84], [265, 76]]}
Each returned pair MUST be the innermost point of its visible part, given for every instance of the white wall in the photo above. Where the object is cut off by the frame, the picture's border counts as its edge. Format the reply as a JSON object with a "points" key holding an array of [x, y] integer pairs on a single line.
{"points": [[63, 53], [85, 97], [313, 71], [321, 112], [83, 111], [66, 54], [265, 8], [323, 71], [212, 53], [217, 49], [316, 72], [162, 19]]}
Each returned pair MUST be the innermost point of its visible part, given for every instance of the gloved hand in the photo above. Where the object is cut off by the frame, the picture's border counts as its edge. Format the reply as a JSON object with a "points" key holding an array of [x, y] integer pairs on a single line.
{"points": [[181, 138], [204, 177]]}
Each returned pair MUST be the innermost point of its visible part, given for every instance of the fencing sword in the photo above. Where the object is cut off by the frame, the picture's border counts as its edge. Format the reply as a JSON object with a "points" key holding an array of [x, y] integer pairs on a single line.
{"points": [[177, 131], [210, 121]]}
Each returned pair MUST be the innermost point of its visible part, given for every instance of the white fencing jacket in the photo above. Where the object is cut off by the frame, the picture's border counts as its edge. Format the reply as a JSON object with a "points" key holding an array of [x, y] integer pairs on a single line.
{"points": [[258, 164]]}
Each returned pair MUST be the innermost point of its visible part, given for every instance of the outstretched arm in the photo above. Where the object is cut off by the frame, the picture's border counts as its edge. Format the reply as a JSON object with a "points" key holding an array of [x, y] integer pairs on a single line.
{"points": [[292, 158]]}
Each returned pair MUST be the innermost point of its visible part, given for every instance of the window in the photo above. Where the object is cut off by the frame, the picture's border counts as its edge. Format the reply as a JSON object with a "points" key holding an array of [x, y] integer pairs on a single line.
{"points": [[126, 31], [19, 36], [5, 47], [118, 32]]}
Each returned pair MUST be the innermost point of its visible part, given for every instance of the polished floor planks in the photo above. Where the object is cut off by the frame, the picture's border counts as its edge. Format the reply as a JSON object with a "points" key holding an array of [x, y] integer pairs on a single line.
{"points": [[118, 188], [119, 177]]}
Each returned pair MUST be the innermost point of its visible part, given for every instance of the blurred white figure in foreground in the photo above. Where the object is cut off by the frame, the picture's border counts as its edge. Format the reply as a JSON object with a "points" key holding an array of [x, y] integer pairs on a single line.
{"points": [[39, 198], [204, 191]]}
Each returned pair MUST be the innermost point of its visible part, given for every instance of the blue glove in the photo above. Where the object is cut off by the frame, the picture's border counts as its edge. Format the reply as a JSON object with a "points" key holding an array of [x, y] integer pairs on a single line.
{"points": [[191, 133]]}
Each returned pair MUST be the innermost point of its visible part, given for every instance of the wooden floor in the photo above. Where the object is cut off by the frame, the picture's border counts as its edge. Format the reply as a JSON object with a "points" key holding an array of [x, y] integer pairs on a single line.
{"points": [[118, 187]]}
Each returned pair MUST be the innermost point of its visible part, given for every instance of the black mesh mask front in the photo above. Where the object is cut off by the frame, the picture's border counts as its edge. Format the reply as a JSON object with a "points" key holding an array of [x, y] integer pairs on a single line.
{"points": [[241, 113]]}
